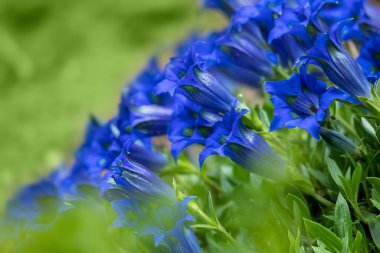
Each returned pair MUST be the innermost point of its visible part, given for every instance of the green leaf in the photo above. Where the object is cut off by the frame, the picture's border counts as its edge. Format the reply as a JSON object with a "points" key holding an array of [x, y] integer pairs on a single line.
{"points": [[320, 250], [335, 172], [345, 187], [376, 203], [328, 238], [356, 248], [375, 181], [355, 182], [374, 228], [364, 243], [320, 176], [342, 217], [295, 242], [298, 208], [368, 127], [212, 209], [375, 191]]}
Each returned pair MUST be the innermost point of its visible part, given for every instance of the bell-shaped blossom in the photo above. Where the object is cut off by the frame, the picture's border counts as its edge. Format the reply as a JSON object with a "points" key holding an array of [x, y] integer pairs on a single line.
{"points": [[329, 54], [299, 19], [128, 178], [243, 54], [302, 101], [369, 58], [102, 145], [204, 89], [167, 221], [198, 54], [242, 145], [145, 203], [140, 110], [35, 203], [191, 124], [227, 6]]}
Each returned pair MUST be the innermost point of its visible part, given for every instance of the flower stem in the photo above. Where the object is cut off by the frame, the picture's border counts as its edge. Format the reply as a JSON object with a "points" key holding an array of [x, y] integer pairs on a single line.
{"points": [[210, 222]]}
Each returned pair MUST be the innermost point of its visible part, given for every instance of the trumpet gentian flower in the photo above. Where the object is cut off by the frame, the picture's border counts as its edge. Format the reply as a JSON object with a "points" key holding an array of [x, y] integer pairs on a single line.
{"points": [[167, 221], [140, 110], [227, 6], [127, 178], [34, 201], [246, 148], [329, 54], [369, 58], [198, 54], [300, 19], [244, 55], [190, 125], [150, 120], [204, 89], [302, 101], [147, 204]]}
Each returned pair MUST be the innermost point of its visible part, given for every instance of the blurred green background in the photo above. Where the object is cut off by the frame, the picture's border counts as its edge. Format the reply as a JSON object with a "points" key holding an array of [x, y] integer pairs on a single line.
{"points": [[62, 60]]}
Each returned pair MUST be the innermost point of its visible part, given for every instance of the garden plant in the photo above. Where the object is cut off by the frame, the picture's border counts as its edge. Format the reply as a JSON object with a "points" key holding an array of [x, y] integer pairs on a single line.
{"points": [[261, 137]]}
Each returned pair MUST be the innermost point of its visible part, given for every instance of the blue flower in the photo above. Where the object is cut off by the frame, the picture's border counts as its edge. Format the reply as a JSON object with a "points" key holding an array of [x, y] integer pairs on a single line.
{"points": [[140, 90], [191, 124], [34, 203], [150, 120], [369, 58], [341, 10], [246, 148], [166, 221], [140, 110], [102, 145], [204, 89], [261, 15], [302, 101], [244, 55], [144, 202], [329, 54], [366, 17], [227, 6], [197, 54], [300, 19], [370, 18], [128, 178]]}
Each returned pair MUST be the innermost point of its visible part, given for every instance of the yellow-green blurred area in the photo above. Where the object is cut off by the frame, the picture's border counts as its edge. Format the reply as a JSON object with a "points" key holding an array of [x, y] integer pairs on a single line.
{"points": [[62, 60]]}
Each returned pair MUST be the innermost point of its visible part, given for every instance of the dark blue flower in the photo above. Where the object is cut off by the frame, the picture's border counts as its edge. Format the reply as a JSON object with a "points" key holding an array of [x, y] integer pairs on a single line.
{"points": [[227, 6], [262, 15], [102, 145], [242, 145], [191, 124], [204, 89], [140, 90], [329, 54], [35, 203], [369, 58], [244, 55], [370, 18], [127, 178], [142, 112], [340, 10], [302, 101], [198, 54], [166, 221], [301, 20], [150, 120], [365, 14]]}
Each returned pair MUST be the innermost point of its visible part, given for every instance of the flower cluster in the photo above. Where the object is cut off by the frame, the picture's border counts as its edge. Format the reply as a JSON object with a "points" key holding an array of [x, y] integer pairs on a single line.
{"points": [[301, 53]]}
